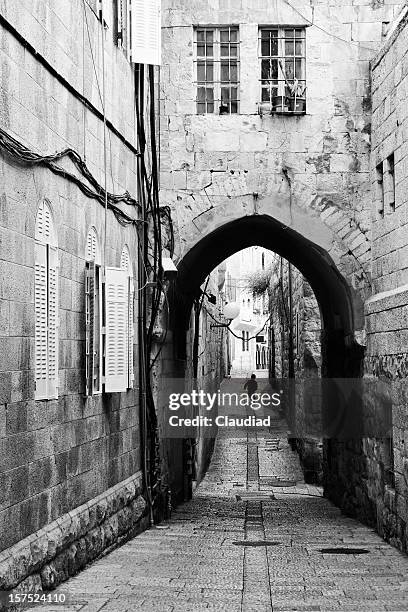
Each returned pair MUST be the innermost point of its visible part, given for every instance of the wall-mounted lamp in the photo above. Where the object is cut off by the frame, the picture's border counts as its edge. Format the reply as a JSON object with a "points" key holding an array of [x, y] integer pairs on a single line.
{"points": [[169, 269]]}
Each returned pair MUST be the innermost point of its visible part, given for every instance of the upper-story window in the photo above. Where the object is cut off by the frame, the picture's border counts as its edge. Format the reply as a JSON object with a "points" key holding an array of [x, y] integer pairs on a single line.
{"points": [[217, 70], [390, 182], [282, 53], [135, 26], [46, 305], [385, 175]]}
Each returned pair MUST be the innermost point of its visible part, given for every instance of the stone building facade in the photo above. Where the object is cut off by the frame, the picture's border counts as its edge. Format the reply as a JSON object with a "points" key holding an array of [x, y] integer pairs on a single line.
{"points": [[303, 180], [249, 344], [204, 365], [70, 458], [295, 356], [244, 161], [387, 310]]}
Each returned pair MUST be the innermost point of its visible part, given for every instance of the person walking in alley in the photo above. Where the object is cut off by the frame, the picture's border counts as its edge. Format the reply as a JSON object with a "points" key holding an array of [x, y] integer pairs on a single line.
{"points": [[251, 385]]}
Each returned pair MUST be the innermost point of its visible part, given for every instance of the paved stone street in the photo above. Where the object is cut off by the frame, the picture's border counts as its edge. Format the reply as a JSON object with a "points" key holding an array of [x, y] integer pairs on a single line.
{"points": [[244, 543]]}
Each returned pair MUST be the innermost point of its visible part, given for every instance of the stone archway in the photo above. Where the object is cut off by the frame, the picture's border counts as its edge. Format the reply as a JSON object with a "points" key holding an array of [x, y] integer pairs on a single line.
{"points": [[315, 248], [308, 243]]}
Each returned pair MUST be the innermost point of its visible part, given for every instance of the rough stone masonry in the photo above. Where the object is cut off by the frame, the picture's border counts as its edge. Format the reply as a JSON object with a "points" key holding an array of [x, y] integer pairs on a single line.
{"points": [[318, 174]]}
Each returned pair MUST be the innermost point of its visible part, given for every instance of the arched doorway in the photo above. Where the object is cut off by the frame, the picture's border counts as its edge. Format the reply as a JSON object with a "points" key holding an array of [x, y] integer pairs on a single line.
{"points": [[340, 305]]}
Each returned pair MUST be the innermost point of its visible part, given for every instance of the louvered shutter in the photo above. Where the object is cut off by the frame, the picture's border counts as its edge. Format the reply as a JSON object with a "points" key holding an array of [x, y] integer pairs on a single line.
{"points": [[131, 327], [52, 322], [146, 32], [125, 260], [43, 223], [89, 321], [41, 316], [97, 330], [116, 330], [93, 309], [92, 244]]}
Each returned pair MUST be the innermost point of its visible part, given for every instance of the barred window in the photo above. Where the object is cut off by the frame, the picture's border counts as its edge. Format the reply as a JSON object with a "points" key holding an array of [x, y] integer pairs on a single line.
{"points": [[282, 53], [217, 70]]}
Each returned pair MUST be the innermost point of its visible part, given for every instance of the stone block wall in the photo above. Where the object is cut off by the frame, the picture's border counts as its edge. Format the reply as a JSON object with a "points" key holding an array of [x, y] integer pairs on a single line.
{"points": [[390, 124], [212, 368], [210, 161], [387, 309], [304, 408], [65, 546], [57, 455], [185, 461]]}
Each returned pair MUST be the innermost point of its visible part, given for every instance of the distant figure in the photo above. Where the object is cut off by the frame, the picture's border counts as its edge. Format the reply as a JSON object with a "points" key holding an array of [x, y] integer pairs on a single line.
{"points": [[251, 385]]}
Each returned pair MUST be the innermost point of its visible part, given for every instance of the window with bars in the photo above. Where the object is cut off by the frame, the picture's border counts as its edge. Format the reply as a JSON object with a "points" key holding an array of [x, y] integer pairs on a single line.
{"points": [[282, 53], [245, 341], [217, 70]]}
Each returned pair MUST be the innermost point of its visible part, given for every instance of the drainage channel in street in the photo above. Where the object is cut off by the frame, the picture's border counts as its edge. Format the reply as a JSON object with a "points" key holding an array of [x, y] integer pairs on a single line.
{"points": [[256, 572]]}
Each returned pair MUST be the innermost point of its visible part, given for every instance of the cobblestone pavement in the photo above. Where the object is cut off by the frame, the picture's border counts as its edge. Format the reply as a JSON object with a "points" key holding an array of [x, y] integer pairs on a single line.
{"points": [[244, 544]]}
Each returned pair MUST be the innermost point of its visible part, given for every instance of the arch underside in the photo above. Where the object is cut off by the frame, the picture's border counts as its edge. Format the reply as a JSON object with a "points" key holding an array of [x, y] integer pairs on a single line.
{"points": [[340, 306], [336, 298]]}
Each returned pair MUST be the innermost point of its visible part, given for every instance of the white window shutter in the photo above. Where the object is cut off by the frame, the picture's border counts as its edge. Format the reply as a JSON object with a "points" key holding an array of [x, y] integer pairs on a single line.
{"points": [[116, 329], [97, 329], [43, 223], [52, 322], [146, 32], [131, 327], [125, 260], [41, 316]]}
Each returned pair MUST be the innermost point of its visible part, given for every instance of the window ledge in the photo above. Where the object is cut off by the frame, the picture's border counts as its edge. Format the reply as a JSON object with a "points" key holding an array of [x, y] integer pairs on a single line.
{"points": [[288, 112]]}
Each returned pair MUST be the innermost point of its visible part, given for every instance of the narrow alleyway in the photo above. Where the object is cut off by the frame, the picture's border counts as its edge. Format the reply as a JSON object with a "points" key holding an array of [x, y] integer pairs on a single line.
{"points": [[244, 543]]}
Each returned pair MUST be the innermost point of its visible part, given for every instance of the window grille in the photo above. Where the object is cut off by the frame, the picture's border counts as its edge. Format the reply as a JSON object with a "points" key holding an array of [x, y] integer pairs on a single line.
{"points": [[282, 53], [217, 70]]}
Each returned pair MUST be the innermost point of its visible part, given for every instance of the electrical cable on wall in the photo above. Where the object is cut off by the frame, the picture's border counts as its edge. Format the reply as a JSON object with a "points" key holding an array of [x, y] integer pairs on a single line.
{"points": [[24, 156], [151, 283]]}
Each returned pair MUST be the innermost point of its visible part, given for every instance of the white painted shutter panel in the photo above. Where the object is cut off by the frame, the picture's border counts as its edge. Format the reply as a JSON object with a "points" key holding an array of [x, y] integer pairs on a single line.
{"points": [[97, 329], [52, 322], [125, 259], [43, 223], [41, 316], [116, 329], [91, 244], [131, 374], [146, 32]]}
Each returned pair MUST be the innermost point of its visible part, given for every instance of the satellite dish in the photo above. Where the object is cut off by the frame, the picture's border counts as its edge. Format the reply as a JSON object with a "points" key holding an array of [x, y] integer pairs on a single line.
{"points": [[231, 311]]}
